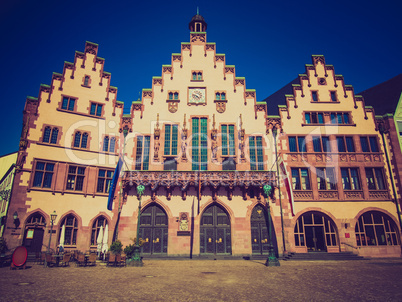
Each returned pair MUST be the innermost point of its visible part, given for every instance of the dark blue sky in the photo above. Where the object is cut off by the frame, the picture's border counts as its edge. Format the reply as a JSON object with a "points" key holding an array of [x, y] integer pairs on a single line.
{"points": [[268, 42]]}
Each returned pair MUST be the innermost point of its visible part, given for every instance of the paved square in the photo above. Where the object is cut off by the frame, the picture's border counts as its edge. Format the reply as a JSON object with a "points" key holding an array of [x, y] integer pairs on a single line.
{"points": [[209, 280]]}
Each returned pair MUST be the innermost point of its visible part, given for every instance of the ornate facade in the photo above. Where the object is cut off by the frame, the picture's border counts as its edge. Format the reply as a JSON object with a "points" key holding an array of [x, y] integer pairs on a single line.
{"points": [[204, 148]]}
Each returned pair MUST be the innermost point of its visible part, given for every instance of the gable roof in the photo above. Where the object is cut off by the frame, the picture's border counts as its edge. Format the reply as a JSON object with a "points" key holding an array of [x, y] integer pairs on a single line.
{"points": [[278, 98], [385, 96]]}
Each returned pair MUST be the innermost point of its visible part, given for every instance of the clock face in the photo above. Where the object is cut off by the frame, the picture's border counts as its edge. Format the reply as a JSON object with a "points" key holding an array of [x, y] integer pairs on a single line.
{"points": [[196, 96]]}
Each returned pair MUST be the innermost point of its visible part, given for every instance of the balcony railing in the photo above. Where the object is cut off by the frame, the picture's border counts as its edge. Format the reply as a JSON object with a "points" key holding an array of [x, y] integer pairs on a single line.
{"points": [[184, 179]]}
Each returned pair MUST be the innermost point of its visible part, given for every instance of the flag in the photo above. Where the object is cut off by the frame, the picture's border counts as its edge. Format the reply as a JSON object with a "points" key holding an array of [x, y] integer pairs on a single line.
{"points": [[113, 184], [288, 184]]}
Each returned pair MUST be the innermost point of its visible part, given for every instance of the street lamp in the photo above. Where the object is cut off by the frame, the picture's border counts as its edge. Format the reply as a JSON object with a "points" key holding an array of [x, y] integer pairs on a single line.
{"points": [[272, 260], [53, 217], [136, 260]]}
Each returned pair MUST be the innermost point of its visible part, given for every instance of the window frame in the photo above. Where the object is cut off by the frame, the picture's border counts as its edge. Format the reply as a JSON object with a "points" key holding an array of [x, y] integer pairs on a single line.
{"points": [[81, 134], [256, 149], [50, 135], [298, 139], [68, 100], [96, 228], [45, 174], [96, 112], [171, 139], [371, 140], [297, 179], [71, 230], [142, 158], [199, 143], [328, 179], [75, 178], [351, 182], [104, 181], [368, 224], [228, 140], [377, 181]]}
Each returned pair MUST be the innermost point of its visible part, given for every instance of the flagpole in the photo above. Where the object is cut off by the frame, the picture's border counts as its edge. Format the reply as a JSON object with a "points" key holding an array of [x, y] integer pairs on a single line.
{"points": [[125, 131], [275, 132]]}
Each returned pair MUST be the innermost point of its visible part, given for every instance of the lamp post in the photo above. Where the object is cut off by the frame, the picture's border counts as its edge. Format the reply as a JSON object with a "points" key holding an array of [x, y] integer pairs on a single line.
{"points": [[53, 217], [272, 260], [136, 260], [275, 132]]}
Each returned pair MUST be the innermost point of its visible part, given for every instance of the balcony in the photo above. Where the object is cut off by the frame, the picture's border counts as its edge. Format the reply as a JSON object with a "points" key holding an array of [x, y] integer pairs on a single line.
{"points": [[212, 179]]}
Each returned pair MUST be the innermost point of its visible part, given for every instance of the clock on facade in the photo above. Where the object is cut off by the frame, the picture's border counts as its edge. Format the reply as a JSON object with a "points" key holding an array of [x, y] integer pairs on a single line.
{"points": [[196, 96]]}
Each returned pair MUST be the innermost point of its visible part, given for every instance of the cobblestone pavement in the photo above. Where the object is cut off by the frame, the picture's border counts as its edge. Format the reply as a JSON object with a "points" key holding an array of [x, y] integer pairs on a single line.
{"points": [[208, 280]]}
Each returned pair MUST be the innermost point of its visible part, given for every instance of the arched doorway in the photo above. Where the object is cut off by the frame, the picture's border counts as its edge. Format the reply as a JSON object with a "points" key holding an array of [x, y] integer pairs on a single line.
{"points": [[215, 234], [259, 231], [316, 231], [154, 230], [34, 230]]}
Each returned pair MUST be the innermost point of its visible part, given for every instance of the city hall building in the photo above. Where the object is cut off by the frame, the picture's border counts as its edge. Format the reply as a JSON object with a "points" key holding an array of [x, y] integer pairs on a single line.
{"points": [[206, 150]]}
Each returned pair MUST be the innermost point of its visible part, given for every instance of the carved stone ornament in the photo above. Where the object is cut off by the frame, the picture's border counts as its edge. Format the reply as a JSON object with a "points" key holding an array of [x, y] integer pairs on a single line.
{"points": [[173, 106], [220, 106]]}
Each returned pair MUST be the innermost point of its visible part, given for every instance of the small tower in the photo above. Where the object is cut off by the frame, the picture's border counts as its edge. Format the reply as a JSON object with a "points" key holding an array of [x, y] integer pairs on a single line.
{"points": [[197, 24]]}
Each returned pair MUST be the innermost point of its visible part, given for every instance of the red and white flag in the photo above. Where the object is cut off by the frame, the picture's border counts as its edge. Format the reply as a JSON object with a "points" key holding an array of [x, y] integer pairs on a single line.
{"points": [[288, 184]]}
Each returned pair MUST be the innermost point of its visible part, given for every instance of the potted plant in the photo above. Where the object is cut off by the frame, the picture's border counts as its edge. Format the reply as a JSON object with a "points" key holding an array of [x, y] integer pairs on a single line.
{"points": [[129, 249], [116, 247]]}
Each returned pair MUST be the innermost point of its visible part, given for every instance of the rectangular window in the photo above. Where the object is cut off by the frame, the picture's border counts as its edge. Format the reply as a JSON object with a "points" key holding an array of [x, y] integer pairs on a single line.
{"points": [[317, 144], [171, 138], [369, 144], [314, 96], [333, 96], [320, 118], [104, 181], [326, 178], [345, 144], [341, 144], [301, 144], [307, 117], [300, 179], [96, 109], [340, 118], [326, 147], [142, 153], [75, 178], [256, 153], [375, 179], [68, 104], [228, 140], [350, 178], [297, 144], [43, 174], [350, 146], [292, 144], [199, 151]]}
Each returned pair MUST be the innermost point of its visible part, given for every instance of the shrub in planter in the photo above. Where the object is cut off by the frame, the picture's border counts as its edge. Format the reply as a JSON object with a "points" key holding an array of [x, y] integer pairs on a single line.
{"points": [[129, 249], [116, 247]]}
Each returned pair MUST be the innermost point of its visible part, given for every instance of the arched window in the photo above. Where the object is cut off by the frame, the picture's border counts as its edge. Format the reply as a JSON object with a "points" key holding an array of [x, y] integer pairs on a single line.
{"points": [[194, 76], [170, 96], [106, 143], [218, 96], [176, 96], [375, 228], [77, 139], [71, 225], [223, 96], [100, 221], [80, 140], [199, 78], [55, 133], [46, 134], [84, 140], [36, 218], [112, 144]]}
